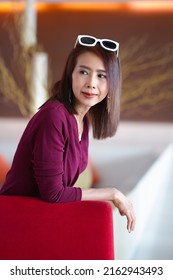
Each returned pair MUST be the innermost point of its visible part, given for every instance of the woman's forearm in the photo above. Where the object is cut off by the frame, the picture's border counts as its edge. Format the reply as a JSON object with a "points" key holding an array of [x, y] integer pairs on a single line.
{"points": [[98, 194]]}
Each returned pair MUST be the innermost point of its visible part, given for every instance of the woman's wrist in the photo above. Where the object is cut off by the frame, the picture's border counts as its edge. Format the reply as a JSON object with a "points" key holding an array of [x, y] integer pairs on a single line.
{"points": [[117, 197]]}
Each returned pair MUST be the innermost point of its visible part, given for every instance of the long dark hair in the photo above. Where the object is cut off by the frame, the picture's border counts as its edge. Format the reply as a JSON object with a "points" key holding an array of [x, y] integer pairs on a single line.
{"points": [[104, 116]]}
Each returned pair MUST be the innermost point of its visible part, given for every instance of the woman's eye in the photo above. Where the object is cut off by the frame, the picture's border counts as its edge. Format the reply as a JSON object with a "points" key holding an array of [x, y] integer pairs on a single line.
{"points": [[83, 72], [102, 76]]}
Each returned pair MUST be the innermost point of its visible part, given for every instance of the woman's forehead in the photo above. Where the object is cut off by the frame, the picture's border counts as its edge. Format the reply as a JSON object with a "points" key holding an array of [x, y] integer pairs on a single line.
{"points": [[90, 60]]}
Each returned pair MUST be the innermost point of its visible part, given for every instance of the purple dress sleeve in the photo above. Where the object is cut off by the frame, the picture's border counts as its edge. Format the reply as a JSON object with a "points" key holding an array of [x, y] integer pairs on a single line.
{"points": [[49, 157], [48, 162]]}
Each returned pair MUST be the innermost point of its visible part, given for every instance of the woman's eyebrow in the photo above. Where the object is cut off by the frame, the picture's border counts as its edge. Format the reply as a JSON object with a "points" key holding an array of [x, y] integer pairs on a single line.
{"points": [[87, 67]]}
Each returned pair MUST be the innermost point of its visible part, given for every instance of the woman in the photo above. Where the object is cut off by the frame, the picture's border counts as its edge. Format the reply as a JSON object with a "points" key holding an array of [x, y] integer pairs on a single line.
{"points": [[53, 149]]}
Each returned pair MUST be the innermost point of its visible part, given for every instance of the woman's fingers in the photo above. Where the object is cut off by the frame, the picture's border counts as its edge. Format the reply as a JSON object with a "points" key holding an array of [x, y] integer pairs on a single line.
{"points": [[125, 208], [130, 219]]}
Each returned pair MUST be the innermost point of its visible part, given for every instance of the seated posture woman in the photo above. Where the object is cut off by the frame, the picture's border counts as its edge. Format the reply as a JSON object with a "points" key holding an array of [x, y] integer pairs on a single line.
{"points": [[53, 149]]}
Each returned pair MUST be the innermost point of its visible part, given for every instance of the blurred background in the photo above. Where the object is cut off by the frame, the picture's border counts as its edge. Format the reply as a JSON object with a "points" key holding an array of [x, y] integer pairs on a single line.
{"points": [[35, 39]]}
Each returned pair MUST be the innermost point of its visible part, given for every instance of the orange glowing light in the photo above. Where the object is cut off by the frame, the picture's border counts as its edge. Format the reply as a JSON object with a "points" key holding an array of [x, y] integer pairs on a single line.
{"points": [[82, 6], [90, 6], [151, 6], [20, 6], [135, 6], [11, 6]]}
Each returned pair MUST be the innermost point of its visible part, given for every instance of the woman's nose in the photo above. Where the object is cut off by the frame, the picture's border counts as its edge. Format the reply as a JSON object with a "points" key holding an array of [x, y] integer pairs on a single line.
{"points": [[91, 82]]}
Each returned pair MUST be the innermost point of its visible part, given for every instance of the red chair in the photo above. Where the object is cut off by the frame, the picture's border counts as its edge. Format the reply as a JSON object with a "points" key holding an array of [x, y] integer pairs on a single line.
{"points": [[31, 229]]}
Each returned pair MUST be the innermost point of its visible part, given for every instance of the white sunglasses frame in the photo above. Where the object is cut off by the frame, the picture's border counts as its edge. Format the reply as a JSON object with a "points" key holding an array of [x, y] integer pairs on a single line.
{"points": [[78, 40]]}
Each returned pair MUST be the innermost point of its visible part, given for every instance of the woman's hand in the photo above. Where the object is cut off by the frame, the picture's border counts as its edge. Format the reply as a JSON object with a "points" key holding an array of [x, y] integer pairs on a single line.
{"points": [[120, 201], [125, 208]]}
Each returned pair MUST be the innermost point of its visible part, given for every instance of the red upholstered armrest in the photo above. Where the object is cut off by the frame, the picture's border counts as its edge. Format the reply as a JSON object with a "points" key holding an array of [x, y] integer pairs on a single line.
{"points": [[33, 229]]}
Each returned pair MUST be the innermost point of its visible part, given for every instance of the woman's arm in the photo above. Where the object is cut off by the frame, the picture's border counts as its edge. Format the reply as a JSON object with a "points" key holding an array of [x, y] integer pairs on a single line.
{"points": [[124, 206], [48, 149]]}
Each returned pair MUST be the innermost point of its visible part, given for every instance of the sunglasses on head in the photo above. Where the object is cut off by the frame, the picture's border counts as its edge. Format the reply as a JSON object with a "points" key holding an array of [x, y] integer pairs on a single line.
{"points": [[91, 41]]}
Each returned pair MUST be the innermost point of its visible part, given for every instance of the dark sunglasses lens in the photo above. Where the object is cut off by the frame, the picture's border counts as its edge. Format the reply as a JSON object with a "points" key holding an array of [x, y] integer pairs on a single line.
{"points": [[109, 45], [87, 40]]}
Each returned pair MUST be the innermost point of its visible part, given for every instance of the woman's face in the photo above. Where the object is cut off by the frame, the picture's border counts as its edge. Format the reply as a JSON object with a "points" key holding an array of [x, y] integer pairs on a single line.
{"points": [[89, 81]]}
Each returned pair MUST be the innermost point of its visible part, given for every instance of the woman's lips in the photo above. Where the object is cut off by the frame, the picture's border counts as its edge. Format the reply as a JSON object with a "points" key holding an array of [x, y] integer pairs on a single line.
{"points": [[89, 95]]}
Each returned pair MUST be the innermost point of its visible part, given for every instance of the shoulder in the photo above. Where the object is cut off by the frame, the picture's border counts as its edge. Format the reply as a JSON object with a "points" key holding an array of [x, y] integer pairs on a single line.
{"points": [[54, 107], [50, 122], [52, 116], [52, 112]]}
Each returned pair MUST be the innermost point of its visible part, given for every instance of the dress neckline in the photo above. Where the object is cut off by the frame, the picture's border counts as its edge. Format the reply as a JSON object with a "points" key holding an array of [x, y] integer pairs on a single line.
{"points": [[79, 133]]}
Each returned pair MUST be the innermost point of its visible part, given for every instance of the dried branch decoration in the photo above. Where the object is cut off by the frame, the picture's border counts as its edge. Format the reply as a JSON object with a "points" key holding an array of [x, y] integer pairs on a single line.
{"points": [[15, 83], [147, 76]]}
